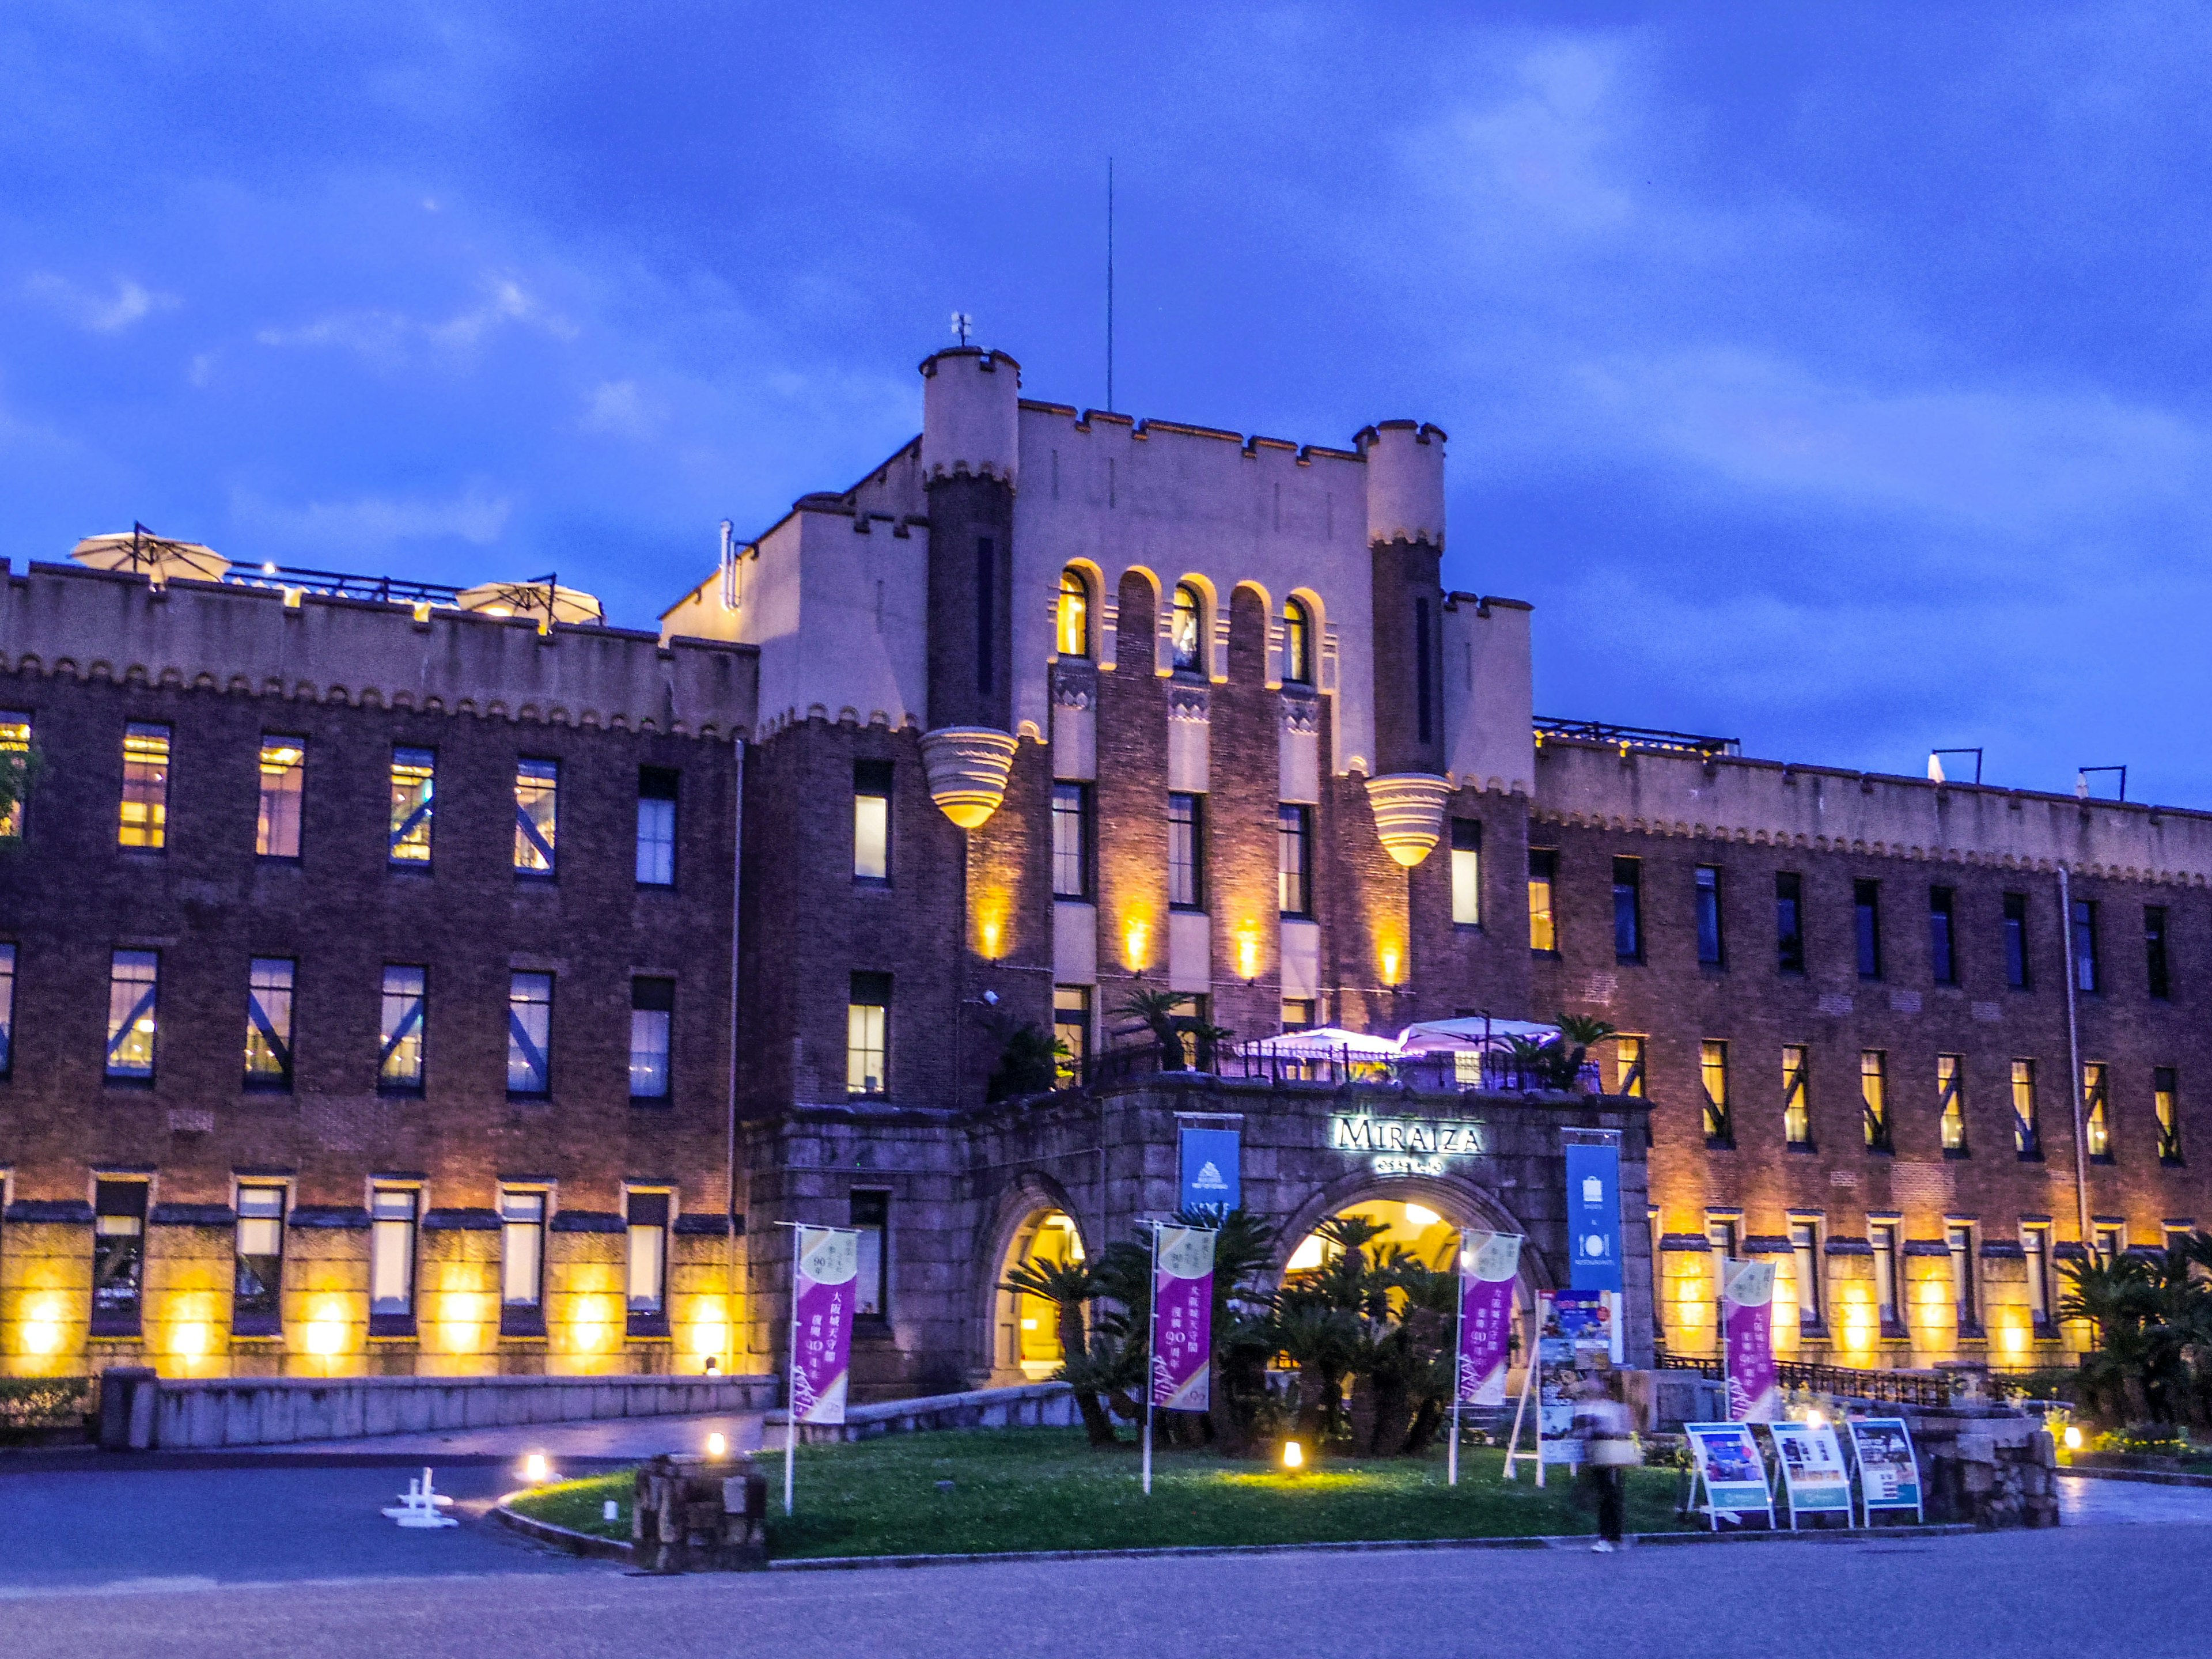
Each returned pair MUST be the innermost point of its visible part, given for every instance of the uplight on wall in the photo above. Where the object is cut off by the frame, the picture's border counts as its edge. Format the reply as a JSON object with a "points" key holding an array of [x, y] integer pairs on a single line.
{"points": [[42, 1332], [1136, 944], [1391, 961], [708, 1340], [189, 1341], [717, 1446], [1247, 951]]}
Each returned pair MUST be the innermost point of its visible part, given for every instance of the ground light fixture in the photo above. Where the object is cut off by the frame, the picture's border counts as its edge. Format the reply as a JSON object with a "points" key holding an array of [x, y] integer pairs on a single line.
{"points": [[1294, 1456], [535, 1469], [2073, 1438], [717, 1446]]}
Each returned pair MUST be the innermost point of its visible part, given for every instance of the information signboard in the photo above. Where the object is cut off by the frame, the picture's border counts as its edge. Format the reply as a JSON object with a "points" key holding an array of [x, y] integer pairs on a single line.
{"points": [[1889, 1478], [1815, 1480], [1731, 1471]]}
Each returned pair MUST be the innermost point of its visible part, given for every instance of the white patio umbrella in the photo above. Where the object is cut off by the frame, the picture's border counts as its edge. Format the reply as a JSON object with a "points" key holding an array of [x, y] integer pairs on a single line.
{"points": [[141, 552], [1469, 1035], [544, 599]]}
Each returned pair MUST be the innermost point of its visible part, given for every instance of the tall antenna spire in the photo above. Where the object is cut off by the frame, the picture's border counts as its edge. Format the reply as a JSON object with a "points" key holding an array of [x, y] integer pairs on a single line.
{"points": [[1109, 282]]}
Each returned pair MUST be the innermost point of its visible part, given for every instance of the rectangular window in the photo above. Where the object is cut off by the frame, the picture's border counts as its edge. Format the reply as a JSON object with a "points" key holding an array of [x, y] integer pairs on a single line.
{"points": [[871, 821], [529, 1034], [1294, 862], [134, 978], [1712, 1068], [1943, 959], [867, 1018], [2155, 949], [118, 1256], [2026, 1134], [1186, 852], [1884, 1239], [1070, 841], [2096, 1112], [1951, 1104], [1805, 1249], [1789, 923], [2110, 1244], [871, 1216], [2035, 1244], [1721, 1233], [1866, 902], [521, 1247], [1628, 1066], [1071, 1028], [1466, 872], [7, 1009], [283, 778], [145, 820], [258, 1284], [391, 1215], [399, 1062], [651, 1012], [1709, 916], [656, 827], [1966, 1301], [1628, 909], [1543, 920], [1796, 1096], [269, 1022], [1874, 1098], [1298, 1014], [414, 791], [536, 815], [2085, 945], [2166, 1101], [2016, 940], [647, 1298], [15, 758]]}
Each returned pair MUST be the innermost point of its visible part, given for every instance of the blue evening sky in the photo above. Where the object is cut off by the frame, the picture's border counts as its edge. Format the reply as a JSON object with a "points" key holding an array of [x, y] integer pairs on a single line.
{"points": [[1830, 376]]}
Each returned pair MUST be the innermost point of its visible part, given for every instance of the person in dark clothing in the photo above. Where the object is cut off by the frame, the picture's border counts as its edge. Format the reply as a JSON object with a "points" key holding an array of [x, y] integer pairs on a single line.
{"points": [[1608, 1437]]}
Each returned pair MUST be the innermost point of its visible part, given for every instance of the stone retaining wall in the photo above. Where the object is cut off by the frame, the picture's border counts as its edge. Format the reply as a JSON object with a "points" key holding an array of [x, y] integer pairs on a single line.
{"points": [[1037, 1405], [1988, 1468]]}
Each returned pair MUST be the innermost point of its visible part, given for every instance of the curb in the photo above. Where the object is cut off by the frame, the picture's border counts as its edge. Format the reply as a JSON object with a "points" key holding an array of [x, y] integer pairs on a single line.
{"points": [[93, 1460], [2147, 1477], [561, 1538]]}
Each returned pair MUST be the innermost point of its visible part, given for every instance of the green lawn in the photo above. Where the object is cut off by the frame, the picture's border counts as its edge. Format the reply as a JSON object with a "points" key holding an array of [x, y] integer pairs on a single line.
{"points": [[1043, 1489]]}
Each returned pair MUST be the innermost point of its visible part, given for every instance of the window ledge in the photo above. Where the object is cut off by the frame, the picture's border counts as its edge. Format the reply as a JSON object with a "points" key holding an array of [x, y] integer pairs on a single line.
{"points": [[1957, 1154]]}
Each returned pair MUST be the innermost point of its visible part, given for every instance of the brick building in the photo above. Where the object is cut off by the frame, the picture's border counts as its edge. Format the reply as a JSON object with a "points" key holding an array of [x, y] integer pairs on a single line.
{"points": [[1050, 709]]}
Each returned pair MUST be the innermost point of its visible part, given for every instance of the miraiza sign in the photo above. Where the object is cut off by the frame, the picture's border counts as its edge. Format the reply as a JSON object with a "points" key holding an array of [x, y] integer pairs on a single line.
{"points": [[1405, 1145]]}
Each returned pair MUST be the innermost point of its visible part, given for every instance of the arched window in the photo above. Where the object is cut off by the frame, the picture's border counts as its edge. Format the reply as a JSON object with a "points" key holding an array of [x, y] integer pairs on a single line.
{"points": [[1074, 627], [1298, 643], [1185, 633]]}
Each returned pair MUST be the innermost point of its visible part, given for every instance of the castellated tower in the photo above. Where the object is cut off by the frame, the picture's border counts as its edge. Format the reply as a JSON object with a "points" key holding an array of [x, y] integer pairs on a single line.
{"points": [[1406, 542]]}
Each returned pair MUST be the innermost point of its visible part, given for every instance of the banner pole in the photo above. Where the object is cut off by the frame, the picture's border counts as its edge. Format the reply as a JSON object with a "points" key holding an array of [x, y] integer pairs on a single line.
{"points": [[791, 1375], [1541, 1298], [1151, 1355], [1459, 1360], [1521, 1406]]}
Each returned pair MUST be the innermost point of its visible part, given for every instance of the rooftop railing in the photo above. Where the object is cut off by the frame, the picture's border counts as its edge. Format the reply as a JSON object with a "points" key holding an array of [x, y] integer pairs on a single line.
{"points": [[337, 585], [1441, 1073], [1625, 737]]}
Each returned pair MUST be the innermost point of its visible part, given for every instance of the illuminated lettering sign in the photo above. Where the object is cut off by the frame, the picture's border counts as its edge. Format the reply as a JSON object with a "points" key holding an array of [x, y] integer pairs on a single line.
{"points": [[1405, 1146]]}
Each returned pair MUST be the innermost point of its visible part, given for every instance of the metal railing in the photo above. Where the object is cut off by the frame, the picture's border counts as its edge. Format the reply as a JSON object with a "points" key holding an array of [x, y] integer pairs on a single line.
{"points": [[337, 585], [1443, 1073], [1894, 1388], [1625, 737]]}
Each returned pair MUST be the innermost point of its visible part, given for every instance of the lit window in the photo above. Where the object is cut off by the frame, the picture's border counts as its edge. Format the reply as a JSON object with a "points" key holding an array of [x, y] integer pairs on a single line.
{"points": [[7, 1009], [1466, 872], [2026, 1137], [1628, 909], [867, 1018], [2096, 1111], [1186, 852], [1964, 1300], [1543, 922], [647, 1286], [1071, 1027], [652, 1007], [522, 1247], [536, 815], [414, 785], [133, 979], [1298, 1014], [257, 1306], [1942, 956], [1951, 1102], [1070, 841], [1708, 892], [656, 827], [268, 1024], [1298, 643], [1796, 1096], [529, 1034], [1294, 860], [118, 1256], [2166, 1101], [283, 777], [1712, 1070], [1073, 624], [15, 766], [1185, 629], [399, 1063], [1873, 1097], [1805, 1251], [145, 820], [871, 1217], [1866, 902], [2085, 945], [1789, 923], [1628, 1066], [391, 1212], [2110, 1244], [871, 821]]}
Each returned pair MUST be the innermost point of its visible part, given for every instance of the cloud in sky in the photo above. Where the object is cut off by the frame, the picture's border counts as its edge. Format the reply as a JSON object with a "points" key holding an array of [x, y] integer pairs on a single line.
{"points": [[1827, 378]]}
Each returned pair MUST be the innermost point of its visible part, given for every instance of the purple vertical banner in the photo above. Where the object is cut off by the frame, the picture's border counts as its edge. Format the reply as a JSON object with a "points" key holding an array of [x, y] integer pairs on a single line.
{"points": [[827, 1267], [1755, 1394], [1488, 1264], [1183, 1319]]}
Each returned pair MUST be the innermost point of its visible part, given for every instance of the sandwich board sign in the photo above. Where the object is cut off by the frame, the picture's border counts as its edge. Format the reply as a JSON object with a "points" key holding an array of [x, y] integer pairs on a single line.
{"points": [[1889, 1478], [1815, 1479], [1729, 1467]]}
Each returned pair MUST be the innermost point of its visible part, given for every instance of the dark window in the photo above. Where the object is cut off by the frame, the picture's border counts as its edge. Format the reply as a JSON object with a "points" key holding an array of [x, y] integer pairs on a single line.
{"points": [[1942, 960], [1294, 859], [651, 1014], [118, 1256], [1789, 923], [1071, 1026], [656, 827], [269, 1022], [7, 1009], [986, 610], [871, 1216], [529, 1034], [1884, 1239], [1422, 694], [2085, 945], [258, 1284], [391, 1217], [2035, 1244], [2154, 948], [522, 1247], [868, 1035], [1628, 909], [647, 1297], [1866, 900], [1298, 643], [1543, 916], [2166, 1103], [2016, 940], [1070, 841], [1805, 1251], [1965, 1303], [1709, 916], [1187, 852], [872, 822]]}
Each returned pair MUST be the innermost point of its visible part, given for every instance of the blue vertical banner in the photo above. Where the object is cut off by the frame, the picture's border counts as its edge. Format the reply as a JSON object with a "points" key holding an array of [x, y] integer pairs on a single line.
{"points": [[1594, 1217], [1212, 1164]]}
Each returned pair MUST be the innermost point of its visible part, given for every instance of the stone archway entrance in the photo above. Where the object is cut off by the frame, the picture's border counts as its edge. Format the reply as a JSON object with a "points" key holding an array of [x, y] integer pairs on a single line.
{"points": [[1025, 1329]]}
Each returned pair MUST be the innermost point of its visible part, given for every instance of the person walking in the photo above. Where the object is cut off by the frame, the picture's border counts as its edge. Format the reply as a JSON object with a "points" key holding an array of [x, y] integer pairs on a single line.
{"points": [[1608, 1437]]}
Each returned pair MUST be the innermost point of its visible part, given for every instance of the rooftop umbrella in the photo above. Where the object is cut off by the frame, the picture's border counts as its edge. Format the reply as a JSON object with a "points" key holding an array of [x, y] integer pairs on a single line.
{"points": [[542, 597], [141, 552]]}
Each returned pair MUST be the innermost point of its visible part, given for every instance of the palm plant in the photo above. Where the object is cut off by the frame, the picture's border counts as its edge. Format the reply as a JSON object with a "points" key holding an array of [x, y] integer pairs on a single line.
{"points": [[1578, 1034], [1158, 1012], [1069, 1287]]}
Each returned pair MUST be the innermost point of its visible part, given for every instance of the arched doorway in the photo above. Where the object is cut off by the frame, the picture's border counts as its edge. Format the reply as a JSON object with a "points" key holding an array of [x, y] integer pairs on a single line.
{"points": [[1026, 1329]]}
